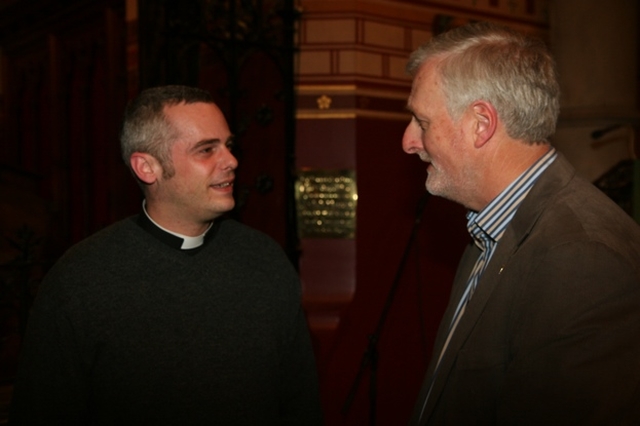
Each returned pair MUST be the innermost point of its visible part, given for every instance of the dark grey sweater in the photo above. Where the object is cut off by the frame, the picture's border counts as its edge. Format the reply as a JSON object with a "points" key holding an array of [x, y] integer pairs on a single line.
{"points": [[127, 330]]}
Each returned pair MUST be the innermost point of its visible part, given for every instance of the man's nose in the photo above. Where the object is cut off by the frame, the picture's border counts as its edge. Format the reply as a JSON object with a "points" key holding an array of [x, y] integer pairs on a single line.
{"points": [[410, 142], [231, 162]]}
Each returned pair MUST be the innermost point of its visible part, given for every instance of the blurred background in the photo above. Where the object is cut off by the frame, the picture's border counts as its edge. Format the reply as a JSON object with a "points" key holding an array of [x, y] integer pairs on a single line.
{"points": [[315, 91]]}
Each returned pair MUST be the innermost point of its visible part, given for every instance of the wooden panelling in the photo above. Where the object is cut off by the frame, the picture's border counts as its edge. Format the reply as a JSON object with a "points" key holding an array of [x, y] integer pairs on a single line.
{"points": [[64, 91]]}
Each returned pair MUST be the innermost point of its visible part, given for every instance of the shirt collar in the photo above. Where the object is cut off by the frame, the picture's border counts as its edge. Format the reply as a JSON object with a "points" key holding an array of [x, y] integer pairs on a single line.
{"points": [[488, 225], [174, 239]]}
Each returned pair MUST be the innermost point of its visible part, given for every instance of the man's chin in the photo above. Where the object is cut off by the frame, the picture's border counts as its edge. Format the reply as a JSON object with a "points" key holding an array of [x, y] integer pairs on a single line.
{"points": [[434, 189], [430, 185], [222, 207]]}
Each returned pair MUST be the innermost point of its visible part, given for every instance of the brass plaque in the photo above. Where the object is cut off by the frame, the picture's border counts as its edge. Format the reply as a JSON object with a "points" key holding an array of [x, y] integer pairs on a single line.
{"points": [[326, 203]]}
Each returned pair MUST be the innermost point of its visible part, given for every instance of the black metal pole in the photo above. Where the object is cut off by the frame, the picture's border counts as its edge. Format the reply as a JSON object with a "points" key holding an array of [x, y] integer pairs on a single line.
{"points": [[370, 356]]}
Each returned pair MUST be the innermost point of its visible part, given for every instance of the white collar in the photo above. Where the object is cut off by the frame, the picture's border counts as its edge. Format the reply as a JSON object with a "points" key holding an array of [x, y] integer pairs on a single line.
{"points": [[187, 241]]}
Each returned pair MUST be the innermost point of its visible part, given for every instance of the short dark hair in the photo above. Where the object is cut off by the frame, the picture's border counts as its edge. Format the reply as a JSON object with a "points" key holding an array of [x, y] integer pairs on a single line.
{"points": [[145, 127]]}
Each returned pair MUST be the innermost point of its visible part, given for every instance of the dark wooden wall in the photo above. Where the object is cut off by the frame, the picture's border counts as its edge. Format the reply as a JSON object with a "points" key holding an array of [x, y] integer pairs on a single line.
{"points": [[63, 81], [64, 90]]}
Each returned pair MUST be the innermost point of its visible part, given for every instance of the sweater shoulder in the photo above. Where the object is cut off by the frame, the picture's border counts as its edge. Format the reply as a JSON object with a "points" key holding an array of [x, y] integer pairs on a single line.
{"points": [[236, 233], [239, 241], [112, 238], [106, 247]]}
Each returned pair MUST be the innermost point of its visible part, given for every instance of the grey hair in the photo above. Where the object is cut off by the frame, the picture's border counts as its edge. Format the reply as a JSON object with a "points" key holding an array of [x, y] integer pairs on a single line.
{"points": [[145, 127], [513, 72]]}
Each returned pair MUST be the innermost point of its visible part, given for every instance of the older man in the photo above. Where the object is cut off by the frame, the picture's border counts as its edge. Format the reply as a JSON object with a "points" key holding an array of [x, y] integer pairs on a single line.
{"points": [[543, 321]]}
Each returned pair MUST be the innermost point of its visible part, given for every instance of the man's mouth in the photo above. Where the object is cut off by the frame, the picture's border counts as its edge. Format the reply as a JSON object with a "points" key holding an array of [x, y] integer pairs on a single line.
{"points": [[223, 185]]}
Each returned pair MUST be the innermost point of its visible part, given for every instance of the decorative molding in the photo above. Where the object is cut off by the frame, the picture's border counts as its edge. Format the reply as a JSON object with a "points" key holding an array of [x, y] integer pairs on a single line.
{"points": [[351, 89], [527, 12], [350, 101], [351, 114], [370, 40]]}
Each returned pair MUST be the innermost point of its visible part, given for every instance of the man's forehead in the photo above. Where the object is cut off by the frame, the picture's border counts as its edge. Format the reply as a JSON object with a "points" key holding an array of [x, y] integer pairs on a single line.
{"points": [[181, 107], [419, 87], [199, 114]]}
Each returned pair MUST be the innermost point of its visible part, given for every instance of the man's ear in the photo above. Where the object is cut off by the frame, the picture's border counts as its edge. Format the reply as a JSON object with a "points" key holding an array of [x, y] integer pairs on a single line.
{"points": [[485, 122], [146, 167]]}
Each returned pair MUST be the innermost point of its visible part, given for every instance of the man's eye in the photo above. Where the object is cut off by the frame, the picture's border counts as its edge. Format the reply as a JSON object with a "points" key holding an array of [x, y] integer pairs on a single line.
{"points": [[421, 124]]}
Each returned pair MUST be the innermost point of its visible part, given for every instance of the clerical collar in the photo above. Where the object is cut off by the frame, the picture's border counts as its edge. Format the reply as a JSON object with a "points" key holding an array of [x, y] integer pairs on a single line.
{"points": [[173, 239]]}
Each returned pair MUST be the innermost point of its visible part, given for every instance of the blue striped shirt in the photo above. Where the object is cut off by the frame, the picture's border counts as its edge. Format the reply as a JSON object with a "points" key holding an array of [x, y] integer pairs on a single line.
{"points": [[487, 226]]}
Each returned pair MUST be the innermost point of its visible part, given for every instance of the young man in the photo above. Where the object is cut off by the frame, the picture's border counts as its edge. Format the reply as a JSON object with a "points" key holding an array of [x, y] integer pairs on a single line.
{"points": [[173, 317], [543, 322]]}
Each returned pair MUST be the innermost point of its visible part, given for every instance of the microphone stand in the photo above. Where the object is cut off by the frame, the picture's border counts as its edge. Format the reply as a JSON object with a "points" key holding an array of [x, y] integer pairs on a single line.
{"points": [[370, 356]]}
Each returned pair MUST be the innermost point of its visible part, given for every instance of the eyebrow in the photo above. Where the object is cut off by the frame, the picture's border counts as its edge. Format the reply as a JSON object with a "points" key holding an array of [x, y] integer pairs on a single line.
{"points": [[410, 110], [413, 113], [215, 141], [205, 142]]}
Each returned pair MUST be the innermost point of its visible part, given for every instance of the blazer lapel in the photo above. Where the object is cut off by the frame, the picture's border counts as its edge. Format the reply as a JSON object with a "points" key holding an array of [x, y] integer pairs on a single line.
{"points": [[486, 286], [466, 264], [467, 261]]}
